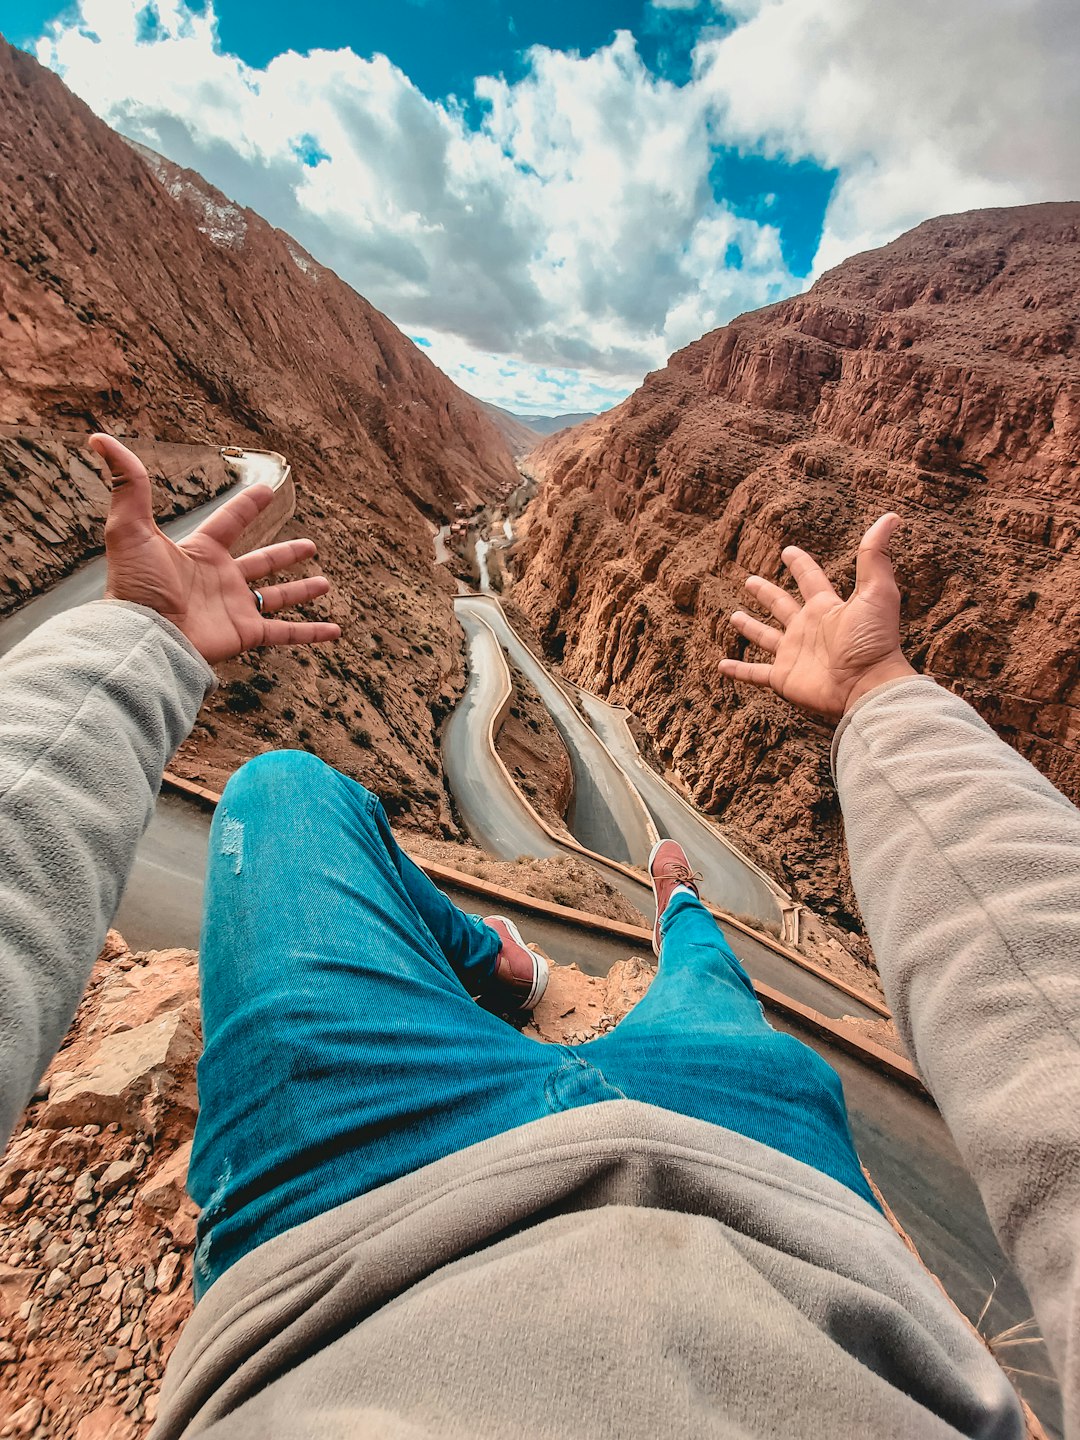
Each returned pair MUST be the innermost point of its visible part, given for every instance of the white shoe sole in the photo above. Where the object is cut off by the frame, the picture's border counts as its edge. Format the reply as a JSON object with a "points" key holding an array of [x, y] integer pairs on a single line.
{"points": [[540, 967], [656, 923]]}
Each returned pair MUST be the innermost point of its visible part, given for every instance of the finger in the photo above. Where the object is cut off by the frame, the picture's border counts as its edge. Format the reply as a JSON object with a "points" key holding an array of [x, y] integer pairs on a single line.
{"points": [[303, 632], [131, 504], [765, 636], [749, 673], [807, 573], [873, 566], [229, 523], [257, 564], [280, 597], [780, 605]]}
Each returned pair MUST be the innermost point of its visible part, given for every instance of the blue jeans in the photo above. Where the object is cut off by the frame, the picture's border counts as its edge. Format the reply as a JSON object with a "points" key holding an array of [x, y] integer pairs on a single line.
{"points": [[343, 1048]]}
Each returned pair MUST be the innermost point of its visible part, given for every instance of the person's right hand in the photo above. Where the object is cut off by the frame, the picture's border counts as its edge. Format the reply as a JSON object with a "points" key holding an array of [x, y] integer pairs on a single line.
{"points": [[829, 651], [197, 584]]}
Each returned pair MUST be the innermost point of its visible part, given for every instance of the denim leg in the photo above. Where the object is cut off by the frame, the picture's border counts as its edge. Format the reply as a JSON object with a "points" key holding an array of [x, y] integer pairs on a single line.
{"points": [[470, 947], [341, 1046], [699, 1044], [699, 984]]}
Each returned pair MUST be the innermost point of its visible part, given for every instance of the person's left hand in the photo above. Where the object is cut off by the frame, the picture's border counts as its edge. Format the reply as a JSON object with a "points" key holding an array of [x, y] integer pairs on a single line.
{"points": [[197, 584]]}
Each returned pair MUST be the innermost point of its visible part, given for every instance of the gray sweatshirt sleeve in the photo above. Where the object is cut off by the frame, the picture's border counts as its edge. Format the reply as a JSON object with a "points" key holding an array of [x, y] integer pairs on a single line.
{"points": [[92, 705], [966, 863]]}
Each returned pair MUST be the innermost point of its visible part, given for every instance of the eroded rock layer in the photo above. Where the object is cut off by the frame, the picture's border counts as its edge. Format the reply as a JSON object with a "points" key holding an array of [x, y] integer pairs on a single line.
{"points": [[135, 297], [938, 376]]}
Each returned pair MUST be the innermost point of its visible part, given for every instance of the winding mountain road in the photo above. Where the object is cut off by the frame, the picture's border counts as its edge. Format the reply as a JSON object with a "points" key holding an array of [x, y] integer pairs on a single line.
{"points": [[607, 814], [494, 811], [500, 821], [728, 878]]}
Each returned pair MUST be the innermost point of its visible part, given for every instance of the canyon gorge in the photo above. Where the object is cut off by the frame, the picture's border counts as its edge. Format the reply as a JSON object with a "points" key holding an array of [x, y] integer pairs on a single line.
{"points": [[938, 376]]}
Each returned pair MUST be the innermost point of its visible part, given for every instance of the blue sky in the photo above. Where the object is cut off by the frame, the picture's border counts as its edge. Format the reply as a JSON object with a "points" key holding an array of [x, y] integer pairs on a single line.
{"points": [[556, 195]]}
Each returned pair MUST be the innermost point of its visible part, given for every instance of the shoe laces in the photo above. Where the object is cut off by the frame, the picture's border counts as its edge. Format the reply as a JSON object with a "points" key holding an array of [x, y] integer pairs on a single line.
{"points": [[682, 874]]}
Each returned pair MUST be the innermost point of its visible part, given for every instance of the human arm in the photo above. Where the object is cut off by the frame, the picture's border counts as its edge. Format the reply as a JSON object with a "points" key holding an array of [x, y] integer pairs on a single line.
{"points": [[966, 865], [92, 705]]}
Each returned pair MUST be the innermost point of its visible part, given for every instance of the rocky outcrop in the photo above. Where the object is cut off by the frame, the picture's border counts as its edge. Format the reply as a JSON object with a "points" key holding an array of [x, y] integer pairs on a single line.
{"points": [[939, 376], [135, 297], [98, 1234]]}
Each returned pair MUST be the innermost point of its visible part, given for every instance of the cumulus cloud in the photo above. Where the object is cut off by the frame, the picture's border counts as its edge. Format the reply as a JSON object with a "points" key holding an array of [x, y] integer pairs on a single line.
{"points": [[923, 108], [556, 235], [572, 230]]}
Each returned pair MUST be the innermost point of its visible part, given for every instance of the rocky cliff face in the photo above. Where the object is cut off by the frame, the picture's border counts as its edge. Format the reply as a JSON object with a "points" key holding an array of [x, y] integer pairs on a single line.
{"points": [[134, 297], [939, 376]]}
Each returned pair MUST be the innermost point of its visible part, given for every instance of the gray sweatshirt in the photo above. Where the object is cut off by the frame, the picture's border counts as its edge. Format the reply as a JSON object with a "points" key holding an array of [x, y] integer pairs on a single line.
{"points": [[615, 1270]]}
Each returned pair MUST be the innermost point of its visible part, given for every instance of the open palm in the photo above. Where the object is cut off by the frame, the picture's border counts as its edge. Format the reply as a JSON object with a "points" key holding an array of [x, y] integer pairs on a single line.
{"points": [[829, 651], [197, 584]]}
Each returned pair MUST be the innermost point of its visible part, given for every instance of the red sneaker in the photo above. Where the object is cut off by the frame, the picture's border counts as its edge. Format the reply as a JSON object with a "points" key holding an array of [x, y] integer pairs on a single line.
{"points": [[520, 973], [668, 867]]}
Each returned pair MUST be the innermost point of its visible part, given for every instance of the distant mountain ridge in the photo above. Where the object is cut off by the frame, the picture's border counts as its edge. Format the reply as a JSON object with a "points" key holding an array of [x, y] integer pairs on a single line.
{"points": [[552, 424], [523, 432]]}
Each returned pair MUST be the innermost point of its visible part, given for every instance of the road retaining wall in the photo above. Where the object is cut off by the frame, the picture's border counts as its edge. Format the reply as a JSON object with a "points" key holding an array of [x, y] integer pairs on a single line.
{"points": [[269, 521]]}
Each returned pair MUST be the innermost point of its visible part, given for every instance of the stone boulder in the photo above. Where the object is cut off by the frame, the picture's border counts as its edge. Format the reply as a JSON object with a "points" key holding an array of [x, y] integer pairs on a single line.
{"points": [[131, 1077]]}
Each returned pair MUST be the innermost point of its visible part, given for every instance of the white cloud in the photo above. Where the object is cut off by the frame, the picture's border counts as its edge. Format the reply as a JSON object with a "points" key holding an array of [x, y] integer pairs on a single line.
{"points": [[924, 108], [574, 231], [573, 240]]}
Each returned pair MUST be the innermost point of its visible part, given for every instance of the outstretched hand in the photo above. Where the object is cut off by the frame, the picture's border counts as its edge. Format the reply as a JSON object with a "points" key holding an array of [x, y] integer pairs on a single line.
{"points": [[828, 652], [197, 584]]}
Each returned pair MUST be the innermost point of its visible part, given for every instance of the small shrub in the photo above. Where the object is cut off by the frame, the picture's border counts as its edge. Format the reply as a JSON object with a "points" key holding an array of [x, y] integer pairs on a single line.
{"points": [[361, 737], [394, 803], [240, 697]]}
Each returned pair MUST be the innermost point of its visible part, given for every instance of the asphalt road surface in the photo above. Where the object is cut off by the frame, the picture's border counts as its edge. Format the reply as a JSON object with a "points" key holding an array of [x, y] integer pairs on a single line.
{"points": [[491, 808], [606, 815], [727, 880]]}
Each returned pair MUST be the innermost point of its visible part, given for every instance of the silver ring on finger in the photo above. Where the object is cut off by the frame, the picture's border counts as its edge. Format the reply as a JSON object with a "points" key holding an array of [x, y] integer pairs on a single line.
{"points": [[258, 600]]}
